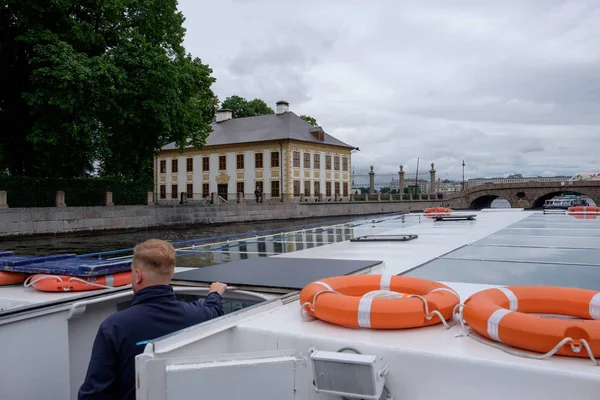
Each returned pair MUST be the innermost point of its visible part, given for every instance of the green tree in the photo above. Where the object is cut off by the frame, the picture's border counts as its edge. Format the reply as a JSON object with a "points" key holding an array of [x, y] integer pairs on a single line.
{"points": [[310, 120], [91, 80], [241, 107], [170, 102]]}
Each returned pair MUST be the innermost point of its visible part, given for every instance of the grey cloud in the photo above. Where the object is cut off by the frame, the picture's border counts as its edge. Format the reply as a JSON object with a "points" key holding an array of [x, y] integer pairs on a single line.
{"points": [[510, 86], [531, 147], [275, 68]]}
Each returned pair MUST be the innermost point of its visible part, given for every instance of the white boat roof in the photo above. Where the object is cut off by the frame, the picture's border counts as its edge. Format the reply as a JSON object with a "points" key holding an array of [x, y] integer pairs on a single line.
{"points": [[435, 240], [283, 323], [19, 296]]}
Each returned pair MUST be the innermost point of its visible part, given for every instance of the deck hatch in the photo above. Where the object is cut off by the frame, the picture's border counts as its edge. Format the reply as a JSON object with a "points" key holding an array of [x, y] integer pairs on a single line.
{"points": [[441, 218], [384, 238], [273, 272]]}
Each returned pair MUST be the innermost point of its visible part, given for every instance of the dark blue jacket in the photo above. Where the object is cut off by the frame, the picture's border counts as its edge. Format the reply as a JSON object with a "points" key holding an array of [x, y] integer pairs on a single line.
{"points": [[154, 312]]}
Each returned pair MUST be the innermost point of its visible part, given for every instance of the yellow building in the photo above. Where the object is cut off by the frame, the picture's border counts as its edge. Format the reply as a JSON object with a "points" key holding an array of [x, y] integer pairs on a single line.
{"points": [[280, 153]]}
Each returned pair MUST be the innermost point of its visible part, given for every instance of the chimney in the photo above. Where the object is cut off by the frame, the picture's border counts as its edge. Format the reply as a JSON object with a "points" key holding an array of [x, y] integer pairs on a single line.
{"points": [[282, 106], [223, 115]]}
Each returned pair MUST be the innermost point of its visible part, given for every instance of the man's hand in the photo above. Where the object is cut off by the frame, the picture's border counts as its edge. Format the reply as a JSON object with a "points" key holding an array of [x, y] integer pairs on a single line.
{"points": [[217, 287]]}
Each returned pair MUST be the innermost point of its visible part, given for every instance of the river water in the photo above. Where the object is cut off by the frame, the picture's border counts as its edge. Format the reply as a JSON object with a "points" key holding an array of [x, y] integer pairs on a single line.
{"points": [[94, 242], [90, 243]]}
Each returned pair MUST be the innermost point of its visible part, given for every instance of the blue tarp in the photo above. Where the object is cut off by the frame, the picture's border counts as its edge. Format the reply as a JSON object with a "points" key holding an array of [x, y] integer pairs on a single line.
{"points": [[9, 259], [61, 264]]}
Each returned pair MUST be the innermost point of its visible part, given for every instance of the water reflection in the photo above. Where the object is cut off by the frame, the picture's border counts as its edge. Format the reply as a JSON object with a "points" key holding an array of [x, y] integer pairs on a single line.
{"points": [[90, 243], [219, 253], [201, 254]]}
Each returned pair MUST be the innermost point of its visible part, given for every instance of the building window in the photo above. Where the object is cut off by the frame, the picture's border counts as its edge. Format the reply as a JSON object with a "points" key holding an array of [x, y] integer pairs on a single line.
{"points": [[337, 188], [174, 166], [328, 189], [205, 190], [163, 166], [275, 159], [296, 188], [274, 188], [190, 165], [205, 163], [173, 191], [307, 160], [260, 185], [307, 188], [190, 191], [258, 160], [222, 163], [345, 189], [317, 188], [327, 162], [240, 161], [296, 159], [240, 187], [336, 163], [163, 191], [317, 161], [345, 164]]}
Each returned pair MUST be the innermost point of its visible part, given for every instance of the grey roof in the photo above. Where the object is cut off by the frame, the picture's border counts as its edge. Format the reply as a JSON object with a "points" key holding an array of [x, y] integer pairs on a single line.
{"points": [[264, 128]]}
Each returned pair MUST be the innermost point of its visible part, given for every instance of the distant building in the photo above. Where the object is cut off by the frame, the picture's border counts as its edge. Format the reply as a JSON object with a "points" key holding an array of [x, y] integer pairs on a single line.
{"points": [[280, 153]]}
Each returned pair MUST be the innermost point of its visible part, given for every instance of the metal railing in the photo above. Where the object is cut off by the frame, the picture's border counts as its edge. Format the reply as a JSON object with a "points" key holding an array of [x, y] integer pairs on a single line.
{"points": [[249, 198], [26, 197]]}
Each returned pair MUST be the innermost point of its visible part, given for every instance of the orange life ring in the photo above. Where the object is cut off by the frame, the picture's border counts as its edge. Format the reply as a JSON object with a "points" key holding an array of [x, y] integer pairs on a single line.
{"points": [[11, 278], [437, 210], [341, 300], [63, 283], [584, 216], [590, 209], [504, 315]]}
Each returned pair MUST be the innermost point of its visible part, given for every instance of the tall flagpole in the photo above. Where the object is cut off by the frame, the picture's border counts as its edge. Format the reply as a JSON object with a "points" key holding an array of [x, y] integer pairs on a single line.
{"points": [[463, 185], [417, 175]]}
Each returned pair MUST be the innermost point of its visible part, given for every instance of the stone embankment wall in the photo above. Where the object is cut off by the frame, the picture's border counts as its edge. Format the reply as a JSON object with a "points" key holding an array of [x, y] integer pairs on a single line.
{"points": [[44, 221]]}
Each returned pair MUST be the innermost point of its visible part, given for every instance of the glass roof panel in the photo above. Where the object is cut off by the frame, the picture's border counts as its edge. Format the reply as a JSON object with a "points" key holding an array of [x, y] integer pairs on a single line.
{"points": [[538, 250], [540, 241], [528, 254], [509, 273]]}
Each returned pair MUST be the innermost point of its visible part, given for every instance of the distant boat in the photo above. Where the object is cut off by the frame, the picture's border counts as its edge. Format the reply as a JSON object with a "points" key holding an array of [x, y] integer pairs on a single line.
{"points": [[564, 202]]}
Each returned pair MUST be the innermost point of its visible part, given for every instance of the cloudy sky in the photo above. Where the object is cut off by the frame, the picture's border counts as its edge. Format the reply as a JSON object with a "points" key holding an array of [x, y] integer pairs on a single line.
{"points": [[509, 86]]}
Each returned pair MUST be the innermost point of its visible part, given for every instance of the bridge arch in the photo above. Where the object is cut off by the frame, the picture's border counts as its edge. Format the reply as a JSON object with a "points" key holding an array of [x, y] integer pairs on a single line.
{"points": [[485, 201], [539, 202], [521, 195]]}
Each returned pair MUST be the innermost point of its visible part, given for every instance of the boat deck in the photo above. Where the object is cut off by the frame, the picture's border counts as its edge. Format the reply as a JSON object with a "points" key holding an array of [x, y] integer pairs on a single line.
{"points": [[427, 362]]}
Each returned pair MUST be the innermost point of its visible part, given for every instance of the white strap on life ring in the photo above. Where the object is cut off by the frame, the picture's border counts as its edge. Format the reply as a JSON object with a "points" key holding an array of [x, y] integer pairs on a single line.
{"points": [[595, 306]]}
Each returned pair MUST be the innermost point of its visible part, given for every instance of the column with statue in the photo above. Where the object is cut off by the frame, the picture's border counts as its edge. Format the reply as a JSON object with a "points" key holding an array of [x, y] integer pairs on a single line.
{"points": [[371, 181], [401, 182], [432, 180]]}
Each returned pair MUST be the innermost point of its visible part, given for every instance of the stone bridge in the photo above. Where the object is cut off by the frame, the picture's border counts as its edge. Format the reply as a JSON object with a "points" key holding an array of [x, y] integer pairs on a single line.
{"points": [[521, 195]]}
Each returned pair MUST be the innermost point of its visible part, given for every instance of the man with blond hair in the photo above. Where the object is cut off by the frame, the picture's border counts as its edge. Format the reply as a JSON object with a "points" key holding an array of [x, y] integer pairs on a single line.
{"points": [[154, 312]]}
